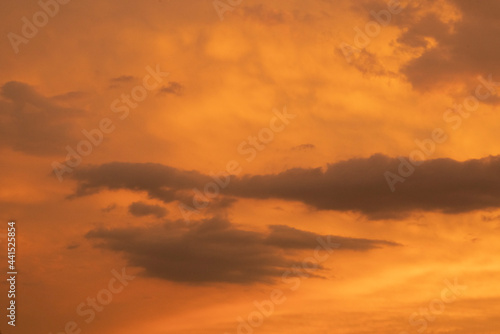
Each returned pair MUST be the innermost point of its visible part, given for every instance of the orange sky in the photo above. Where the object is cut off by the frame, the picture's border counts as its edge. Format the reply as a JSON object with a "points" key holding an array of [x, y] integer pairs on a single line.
{"points": [[317, 118]]}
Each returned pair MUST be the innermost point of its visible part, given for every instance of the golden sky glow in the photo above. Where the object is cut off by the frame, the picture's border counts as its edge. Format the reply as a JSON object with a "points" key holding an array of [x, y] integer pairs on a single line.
{"points": [[209, 147]]}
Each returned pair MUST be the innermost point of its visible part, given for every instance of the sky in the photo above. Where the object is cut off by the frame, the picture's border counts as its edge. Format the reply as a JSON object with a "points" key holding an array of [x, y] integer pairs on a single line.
{"points": [[246, 166]]}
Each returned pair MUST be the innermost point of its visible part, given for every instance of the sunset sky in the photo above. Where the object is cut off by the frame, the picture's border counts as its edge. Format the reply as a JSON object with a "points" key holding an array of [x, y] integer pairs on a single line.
{"points": [[248, 166]]}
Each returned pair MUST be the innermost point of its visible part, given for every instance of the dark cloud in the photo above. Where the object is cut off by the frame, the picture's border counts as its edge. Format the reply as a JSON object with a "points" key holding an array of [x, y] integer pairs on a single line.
{"points": [[141, 209], [449, 42], [109, 208], [70, 96], [32, 123], [368, 64], [214, 250], [359, 185], [463, 49], [159, 181], [72, 246], [218, 206], [442, 185], [123, 78], [173, 88], [284, 236], [119, 81]]}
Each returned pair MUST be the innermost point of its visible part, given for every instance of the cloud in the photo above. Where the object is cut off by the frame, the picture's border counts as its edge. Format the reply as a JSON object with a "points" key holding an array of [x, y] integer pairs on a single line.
{"points": [[287, 237], [442, 185], [490, 218], [70, 96], [141, 209], [214, 250], [368, 64], [161, 182], [123, 79], [446, 43], [109, 208], [359, 185], [453, 49], [173, 88], [72, 246], [32, 123]]}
